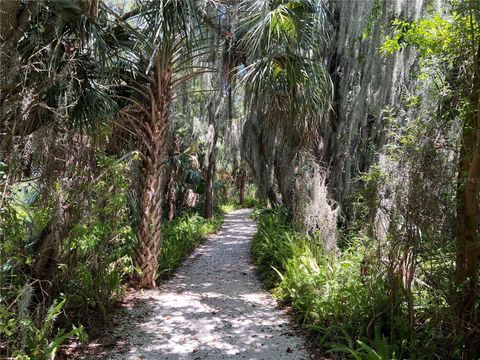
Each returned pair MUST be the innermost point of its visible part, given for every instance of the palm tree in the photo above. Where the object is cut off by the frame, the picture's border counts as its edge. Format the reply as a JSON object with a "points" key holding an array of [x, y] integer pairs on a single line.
{"points": [[282, 41], [166, 42]]}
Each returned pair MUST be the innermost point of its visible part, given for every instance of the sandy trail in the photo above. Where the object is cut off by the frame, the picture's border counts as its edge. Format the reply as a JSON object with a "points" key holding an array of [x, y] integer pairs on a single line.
{"points": [[214, 307]]}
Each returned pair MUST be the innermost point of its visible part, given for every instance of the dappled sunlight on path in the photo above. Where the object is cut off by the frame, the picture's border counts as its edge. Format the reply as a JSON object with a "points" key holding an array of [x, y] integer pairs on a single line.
{"points": [[213, 308]]}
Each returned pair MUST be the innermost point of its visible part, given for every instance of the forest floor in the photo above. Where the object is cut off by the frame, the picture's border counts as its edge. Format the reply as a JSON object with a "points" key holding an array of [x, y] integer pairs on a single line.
{"points": [[213, 307]]}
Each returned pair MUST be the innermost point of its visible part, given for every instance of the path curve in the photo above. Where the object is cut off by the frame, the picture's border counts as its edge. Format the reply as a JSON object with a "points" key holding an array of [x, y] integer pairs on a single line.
{"points": [[214, 307]]}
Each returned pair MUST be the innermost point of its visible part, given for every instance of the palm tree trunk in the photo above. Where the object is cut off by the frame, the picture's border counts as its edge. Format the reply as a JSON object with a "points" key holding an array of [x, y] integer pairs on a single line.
{"points": [[151, 193], [90, 7], [149, 234]]}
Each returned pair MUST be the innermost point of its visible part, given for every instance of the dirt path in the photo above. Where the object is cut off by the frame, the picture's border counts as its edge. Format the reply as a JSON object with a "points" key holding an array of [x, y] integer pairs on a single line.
{"points": [[214, 307]]}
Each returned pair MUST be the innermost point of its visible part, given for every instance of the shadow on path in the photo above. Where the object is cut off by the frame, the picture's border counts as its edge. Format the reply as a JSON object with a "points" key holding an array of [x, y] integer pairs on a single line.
{"points": [[214, 307]]}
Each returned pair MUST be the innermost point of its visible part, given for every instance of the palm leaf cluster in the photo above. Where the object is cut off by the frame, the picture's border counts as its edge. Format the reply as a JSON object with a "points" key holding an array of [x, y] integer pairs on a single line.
{"points": [[285, 73]]}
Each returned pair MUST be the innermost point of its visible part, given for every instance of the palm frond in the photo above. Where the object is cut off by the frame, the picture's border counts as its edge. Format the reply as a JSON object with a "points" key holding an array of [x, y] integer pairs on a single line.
{"points": [[284, 75]]}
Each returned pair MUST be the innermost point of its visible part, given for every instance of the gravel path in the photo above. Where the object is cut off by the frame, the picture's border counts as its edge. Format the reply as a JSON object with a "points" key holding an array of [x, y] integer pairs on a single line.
{"points": [[214, 307]]}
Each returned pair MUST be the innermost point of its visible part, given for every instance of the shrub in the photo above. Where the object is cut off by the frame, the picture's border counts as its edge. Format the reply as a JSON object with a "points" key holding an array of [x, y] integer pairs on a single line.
{"points": [[85, 274], [331, 295]]}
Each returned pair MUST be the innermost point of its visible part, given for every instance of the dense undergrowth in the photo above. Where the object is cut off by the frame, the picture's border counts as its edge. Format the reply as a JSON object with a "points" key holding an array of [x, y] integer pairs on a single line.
{"points": [[348, 300], [92, 269], [89, 294]]}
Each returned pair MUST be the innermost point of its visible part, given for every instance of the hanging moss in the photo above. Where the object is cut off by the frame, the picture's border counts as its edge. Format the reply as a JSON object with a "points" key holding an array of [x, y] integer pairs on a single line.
{"points": [[377, 10]]}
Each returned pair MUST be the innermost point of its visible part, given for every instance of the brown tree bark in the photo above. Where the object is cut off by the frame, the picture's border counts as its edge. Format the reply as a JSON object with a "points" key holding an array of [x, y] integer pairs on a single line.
{"points": [[212, 159], [171, 194], [90, 7], [171, 191], [240, 182], [210, 179], [241, 194], [156, 129], [468, 179]]}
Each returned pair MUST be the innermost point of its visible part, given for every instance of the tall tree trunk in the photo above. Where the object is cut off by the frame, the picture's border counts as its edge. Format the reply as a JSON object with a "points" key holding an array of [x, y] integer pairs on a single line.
{"points": [[467, 241], [171, 194], [152, 184], [90, 7], [15, 19], [240, 178], [241, 195], [210, 182], [171, 191], [212, 159], [184, 98], [215, 110]]}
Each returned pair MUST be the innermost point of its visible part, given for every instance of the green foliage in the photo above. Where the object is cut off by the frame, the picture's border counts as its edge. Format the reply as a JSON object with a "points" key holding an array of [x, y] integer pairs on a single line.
{"points": [[423, 173], [283, 41], [324, 290], [431, 36], [273, 246], [101, 243], [442, 42], [349, 296], [94, 259], [36, 341], [229, 206], [55, 76], [364, 202], [362, 351], [250, 202], [90, 268]]}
